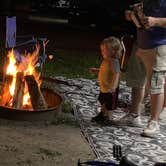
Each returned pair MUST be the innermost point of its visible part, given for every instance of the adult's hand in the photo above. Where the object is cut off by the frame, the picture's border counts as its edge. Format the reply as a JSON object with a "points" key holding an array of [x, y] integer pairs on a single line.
{"points": [[153, 21]]}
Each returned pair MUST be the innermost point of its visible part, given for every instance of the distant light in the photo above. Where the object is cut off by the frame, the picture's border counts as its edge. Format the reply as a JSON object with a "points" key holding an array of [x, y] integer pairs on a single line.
{"points": [[77, 14], [48, 19], [50, 56], [92, 25]]}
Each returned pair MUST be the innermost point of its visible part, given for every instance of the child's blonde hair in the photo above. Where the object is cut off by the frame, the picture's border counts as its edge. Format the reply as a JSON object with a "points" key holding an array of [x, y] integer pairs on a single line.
{"points": [[114, 43]]}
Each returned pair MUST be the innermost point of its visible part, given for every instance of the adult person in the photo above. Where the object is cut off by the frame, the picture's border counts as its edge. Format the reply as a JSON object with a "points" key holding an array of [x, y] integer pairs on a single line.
{"points": [[151, 40]]}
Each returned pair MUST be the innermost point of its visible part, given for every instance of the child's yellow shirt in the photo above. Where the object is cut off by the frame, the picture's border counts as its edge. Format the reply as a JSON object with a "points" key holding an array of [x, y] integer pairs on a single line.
{"points": [[107, 68]]}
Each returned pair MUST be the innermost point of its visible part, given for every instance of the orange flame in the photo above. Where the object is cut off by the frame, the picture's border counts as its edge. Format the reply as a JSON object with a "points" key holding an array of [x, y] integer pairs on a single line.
{"points": [[27, 66], [12, 70]]}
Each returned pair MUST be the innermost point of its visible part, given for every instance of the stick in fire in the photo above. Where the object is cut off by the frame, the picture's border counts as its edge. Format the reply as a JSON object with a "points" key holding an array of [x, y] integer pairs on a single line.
{"points": [[18, 91], [37, 99]]}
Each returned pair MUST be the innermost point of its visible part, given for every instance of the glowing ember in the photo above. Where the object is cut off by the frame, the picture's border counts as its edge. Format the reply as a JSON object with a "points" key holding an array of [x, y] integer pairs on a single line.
{"points": [[12, 68]]}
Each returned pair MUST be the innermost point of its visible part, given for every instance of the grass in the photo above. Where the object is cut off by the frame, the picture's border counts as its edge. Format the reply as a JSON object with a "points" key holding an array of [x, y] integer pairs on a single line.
{"points": [[49, 152], [66, 117], [67, 107], [72, 64]]}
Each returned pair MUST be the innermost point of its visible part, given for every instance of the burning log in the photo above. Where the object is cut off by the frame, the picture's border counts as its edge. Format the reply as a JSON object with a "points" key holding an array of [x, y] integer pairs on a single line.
{"points": [[37, 99], [19, 91], [6, 96]]}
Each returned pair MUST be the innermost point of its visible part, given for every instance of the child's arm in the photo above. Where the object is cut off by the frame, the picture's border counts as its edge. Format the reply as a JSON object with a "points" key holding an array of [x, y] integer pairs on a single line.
{"points": [[93, 70], [114, 82]]}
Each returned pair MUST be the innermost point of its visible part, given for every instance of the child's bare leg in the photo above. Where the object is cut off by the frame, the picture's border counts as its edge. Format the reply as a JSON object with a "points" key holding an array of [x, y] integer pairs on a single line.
{"points": [[102, 116], [107, 112], [104, 109]]}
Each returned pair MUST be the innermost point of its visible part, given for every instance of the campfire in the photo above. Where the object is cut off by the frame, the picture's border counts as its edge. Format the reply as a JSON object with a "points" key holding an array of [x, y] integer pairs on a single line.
{"points": [[21, 95], [21, 85]]}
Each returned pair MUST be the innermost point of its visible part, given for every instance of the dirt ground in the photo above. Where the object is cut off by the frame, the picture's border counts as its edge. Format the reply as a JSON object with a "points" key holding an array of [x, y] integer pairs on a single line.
{"points": [[42, 144]]}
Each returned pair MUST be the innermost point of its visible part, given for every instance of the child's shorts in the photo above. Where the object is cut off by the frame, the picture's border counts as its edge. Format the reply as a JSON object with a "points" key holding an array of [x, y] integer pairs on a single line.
{"points": [[109, 99]]}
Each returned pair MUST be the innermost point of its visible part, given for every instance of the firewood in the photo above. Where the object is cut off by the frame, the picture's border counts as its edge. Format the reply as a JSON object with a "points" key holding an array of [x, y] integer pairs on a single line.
{"points": [[36, 96], [6, 96], [19, 91]]}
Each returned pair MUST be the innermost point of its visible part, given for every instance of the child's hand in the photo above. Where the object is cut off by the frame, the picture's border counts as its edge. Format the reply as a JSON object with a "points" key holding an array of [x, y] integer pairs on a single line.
{"points": [[111, 90], [93, 70]]}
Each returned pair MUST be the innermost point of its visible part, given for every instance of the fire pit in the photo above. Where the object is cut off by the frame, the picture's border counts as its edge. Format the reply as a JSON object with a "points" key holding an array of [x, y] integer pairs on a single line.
{"points": [[21, 97], [53, 99]]}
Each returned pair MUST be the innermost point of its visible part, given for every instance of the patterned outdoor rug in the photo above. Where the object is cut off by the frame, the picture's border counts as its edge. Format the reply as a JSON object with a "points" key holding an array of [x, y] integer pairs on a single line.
{"points": [[143, 151]]}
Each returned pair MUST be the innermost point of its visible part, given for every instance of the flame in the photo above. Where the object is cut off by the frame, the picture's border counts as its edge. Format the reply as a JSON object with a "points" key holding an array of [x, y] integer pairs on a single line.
{"points": [[27, 66], [12, 70], [26, 99], [29, 70]]}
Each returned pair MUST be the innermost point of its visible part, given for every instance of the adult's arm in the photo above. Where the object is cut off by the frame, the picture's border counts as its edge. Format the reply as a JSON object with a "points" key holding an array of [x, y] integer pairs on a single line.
{"points": [[154, 21]]}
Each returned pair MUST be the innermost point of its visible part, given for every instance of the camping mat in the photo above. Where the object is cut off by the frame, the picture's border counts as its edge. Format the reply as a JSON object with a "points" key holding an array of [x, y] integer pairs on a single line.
{"points": [[143, 151]]}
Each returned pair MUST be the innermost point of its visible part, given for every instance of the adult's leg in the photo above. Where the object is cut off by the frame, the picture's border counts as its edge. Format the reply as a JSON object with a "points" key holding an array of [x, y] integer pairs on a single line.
{"points": [[137, 100], [162, 115], [157, 94], [138, 94], [157, 101], [157, 81], [135, 78], [133, 117], [164, 105]]}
